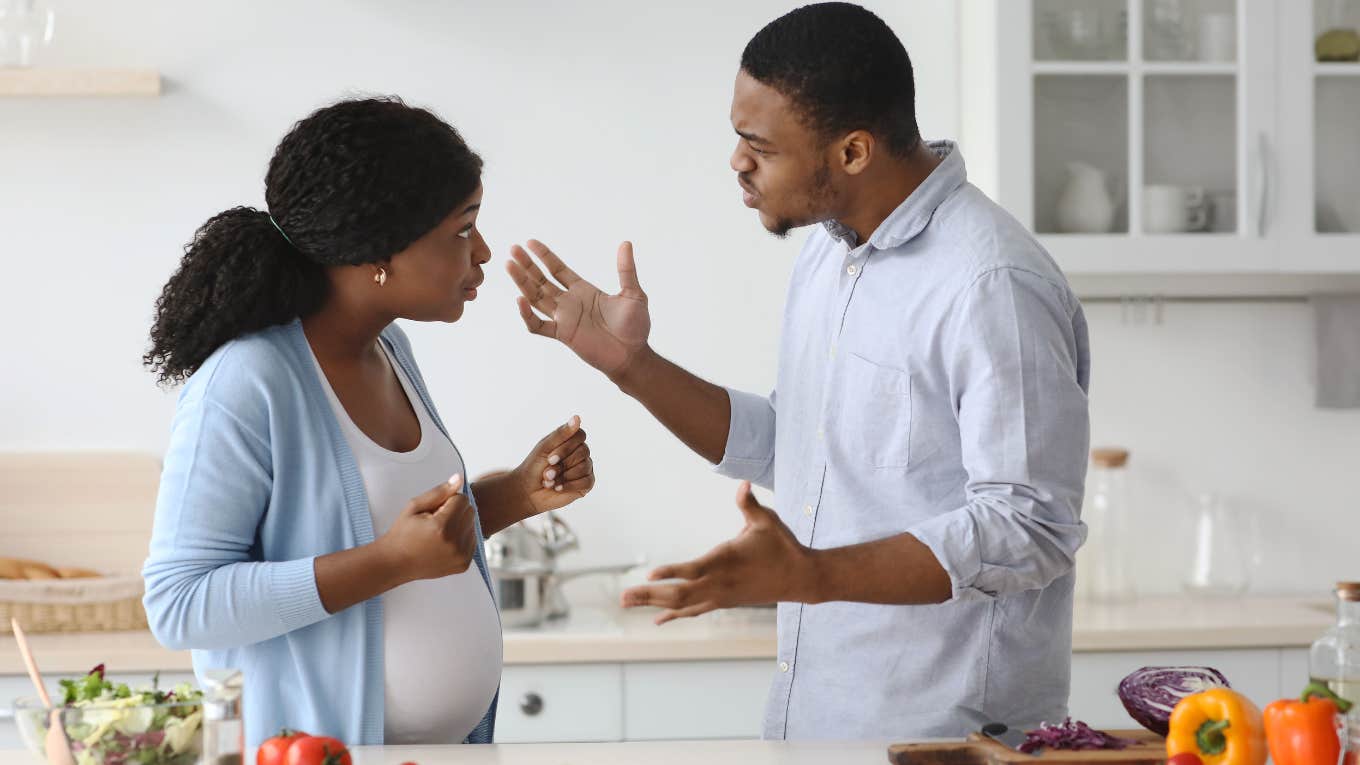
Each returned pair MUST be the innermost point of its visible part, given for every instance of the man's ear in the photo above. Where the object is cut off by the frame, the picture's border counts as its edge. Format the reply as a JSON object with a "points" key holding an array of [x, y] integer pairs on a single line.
{"points": [[856, 151]]}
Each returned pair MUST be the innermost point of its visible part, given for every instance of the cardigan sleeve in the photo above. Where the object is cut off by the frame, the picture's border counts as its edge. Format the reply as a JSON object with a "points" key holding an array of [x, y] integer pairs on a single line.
{"points": [[205, 587]]}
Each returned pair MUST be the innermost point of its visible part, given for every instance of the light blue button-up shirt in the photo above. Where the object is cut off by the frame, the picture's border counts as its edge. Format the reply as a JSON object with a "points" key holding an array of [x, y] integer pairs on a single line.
{"points": [[931, 381]]}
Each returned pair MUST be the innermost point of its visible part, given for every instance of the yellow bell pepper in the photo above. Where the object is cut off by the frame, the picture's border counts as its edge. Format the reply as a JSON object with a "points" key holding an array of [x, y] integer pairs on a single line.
{"points": [[1219, 725]]}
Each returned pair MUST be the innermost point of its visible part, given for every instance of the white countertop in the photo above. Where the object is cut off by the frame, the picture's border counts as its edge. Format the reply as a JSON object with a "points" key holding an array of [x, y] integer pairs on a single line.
{"points": [[642, 753], [590, 636]]}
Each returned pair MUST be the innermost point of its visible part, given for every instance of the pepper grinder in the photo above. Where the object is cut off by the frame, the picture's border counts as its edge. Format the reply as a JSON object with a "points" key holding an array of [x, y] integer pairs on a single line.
{"points": [[223, 727]]}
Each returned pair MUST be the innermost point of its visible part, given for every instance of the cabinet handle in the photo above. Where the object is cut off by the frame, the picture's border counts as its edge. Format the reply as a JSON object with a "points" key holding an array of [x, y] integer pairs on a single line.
{"points": [[531, 705], [1263, 190]]}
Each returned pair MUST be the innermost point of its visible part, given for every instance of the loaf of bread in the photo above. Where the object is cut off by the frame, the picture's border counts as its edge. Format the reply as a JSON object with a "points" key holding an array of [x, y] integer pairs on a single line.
{"points": [[18, 568], [11, 568]]}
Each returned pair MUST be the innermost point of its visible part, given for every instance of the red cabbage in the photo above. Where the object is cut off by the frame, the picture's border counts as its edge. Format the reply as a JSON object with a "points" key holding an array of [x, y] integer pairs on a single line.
{"points": [[1070, 734], [1149, 694]]}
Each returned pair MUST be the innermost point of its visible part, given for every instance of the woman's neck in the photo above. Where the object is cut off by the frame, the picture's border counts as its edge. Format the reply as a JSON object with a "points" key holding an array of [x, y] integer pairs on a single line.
{"points": [[342, 332]]}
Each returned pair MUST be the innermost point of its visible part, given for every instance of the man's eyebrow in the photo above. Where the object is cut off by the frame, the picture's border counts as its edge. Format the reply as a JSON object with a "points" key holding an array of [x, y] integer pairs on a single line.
{"points": [[470, 208], [753, 138]]}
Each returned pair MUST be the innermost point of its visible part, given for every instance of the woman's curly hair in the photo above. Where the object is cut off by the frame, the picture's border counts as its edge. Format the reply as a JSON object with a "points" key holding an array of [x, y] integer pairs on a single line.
{"points": [[355, 182]]}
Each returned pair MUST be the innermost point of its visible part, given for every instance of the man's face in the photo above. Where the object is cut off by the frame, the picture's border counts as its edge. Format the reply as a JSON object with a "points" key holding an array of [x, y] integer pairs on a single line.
{"points": [[783, 166]]}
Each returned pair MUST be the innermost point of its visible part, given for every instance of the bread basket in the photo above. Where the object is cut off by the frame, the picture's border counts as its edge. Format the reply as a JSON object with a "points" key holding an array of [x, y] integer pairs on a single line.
{"points": [[103, 604]]}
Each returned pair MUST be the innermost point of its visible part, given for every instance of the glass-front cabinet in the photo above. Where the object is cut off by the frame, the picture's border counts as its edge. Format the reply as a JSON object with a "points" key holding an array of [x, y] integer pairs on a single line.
{"points": [[1173, 136]]}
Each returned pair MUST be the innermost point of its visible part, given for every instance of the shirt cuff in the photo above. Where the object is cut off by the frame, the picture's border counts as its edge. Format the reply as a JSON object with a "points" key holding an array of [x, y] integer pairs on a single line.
{"points": [[295, 595], [953, 540], [750, 437]]}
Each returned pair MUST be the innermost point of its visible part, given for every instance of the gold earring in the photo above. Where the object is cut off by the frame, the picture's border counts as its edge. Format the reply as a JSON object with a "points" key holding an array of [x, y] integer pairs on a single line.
{"points": [[381, 277]]}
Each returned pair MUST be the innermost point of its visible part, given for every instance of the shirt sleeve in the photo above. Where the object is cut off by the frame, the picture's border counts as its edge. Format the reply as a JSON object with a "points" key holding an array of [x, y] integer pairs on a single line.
{"points": [[1016, 356], [749, 455], [204, 587]]}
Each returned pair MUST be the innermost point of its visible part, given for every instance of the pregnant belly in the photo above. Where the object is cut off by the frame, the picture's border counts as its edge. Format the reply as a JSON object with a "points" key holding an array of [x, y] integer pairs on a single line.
{"points": [[443, 655]]}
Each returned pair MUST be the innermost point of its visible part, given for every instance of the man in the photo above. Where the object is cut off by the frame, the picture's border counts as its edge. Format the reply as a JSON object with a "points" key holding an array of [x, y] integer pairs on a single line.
{"points": [[928, 434]]}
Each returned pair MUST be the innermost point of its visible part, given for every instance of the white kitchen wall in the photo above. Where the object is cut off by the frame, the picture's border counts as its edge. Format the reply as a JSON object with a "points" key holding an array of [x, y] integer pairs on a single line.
{"points": [[598, 121]]}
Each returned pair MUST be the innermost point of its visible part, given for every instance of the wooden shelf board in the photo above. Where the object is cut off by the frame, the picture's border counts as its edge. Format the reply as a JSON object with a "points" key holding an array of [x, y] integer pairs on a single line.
{"points": [[79, 82]]}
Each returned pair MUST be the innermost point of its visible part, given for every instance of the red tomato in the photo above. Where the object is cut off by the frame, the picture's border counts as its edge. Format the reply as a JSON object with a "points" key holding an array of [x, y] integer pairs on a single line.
{"points": [[318, 750], [1185, 758], [274, 751]]}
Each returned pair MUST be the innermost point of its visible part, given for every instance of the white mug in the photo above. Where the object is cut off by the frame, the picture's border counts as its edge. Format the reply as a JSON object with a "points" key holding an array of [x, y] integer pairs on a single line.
{"points": [[1173, 209]]}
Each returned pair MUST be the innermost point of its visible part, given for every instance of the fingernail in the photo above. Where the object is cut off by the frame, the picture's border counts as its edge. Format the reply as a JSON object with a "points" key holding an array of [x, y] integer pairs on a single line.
{"points": [[551, 474], [456, 481], [553, 460], [557, 488], [547, 484]]}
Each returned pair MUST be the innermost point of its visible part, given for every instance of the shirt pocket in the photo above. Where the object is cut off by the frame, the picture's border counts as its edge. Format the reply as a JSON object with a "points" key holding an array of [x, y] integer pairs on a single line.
{"points": [[876, 413]]}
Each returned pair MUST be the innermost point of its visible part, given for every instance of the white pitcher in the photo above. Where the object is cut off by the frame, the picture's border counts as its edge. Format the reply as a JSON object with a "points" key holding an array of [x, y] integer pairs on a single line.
{"points": [[1085, 205]]}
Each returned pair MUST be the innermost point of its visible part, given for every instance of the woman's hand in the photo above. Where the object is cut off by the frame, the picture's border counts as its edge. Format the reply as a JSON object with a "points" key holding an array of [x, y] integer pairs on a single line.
{"points": [[558, 471], [434, 536]]}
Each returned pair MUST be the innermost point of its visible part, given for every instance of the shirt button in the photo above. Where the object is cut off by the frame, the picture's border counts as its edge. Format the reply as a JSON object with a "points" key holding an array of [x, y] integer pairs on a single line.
{"points": [[783, 666], [852, 269], [807, 510], [820, 434]]}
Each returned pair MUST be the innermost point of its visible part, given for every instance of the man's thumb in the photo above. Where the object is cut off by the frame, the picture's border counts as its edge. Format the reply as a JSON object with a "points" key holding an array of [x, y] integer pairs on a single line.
{"points": [[750, 508]]}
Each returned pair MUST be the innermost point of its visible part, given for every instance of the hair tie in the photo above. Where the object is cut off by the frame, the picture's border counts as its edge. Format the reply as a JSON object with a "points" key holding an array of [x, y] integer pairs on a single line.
{"points": [[280, 230]]}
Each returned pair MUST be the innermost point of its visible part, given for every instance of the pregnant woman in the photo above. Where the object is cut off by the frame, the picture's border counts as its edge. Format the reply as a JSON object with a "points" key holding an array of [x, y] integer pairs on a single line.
{"points": [[313, 527]]}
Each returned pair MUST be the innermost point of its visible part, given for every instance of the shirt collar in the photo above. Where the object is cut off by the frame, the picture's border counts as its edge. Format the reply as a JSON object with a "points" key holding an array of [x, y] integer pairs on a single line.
{"points": [[911, 217]]}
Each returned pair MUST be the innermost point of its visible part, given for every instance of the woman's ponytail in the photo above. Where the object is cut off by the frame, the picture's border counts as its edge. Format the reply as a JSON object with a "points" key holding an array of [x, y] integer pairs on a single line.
{"points": [[239, 275]]}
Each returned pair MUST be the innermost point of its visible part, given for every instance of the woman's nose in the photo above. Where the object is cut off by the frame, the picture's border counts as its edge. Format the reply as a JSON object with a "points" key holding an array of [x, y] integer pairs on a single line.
{"points": [[482, 253]]}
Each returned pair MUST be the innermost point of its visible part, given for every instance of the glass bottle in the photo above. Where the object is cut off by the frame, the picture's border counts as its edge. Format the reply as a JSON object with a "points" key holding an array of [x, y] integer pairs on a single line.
{"points": [[1334, 660]]}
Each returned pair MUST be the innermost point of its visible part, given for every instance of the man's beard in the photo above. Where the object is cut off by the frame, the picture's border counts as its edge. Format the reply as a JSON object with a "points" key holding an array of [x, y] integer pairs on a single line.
{"points": [[818, 196]]}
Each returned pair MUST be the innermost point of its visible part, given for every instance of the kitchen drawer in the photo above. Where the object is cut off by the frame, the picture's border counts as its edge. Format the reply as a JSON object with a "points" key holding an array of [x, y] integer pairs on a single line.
{"points": [[18, 686], [702, 699], [1096, 676], [560, 702]]}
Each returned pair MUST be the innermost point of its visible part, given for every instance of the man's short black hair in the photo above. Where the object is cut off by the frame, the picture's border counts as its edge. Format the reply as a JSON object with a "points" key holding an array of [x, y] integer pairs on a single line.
{"points": [[843, 68]]}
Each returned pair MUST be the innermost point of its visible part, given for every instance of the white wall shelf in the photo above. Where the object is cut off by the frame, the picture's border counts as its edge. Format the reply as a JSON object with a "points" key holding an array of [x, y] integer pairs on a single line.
{"points": [[71, 83], [1150, 67], [1337, 69]]}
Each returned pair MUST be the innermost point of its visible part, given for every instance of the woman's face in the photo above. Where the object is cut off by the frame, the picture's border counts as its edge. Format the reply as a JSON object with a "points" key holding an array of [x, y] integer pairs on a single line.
{"points": [[433, 278]]}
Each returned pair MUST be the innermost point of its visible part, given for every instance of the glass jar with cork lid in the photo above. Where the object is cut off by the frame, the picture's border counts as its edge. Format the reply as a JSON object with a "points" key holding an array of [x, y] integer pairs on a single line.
{"points": [[1102, 568]]}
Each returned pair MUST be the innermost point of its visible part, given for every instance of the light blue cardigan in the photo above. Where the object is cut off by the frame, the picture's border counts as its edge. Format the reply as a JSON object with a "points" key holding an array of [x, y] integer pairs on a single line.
{"points": [[259, 481]]}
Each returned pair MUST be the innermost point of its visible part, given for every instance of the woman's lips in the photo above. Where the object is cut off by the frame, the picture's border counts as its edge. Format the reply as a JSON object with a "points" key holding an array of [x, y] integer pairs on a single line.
{"points": [[470, 292]]}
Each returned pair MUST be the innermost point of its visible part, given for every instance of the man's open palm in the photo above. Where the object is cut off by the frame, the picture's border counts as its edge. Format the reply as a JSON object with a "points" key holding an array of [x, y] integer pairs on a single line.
{"points": [[604, 330]]}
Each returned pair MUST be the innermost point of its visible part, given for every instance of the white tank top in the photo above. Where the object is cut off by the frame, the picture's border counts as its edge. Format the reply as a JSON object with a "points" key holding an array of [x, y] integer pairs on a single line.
{"points": [[442, 644]]}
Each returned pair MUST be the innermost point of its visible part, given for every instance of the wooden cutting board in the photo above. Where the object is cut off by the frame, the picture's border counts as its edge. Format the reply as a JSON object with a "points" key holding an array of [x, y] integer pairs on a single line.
{"points": [[981, 750]]}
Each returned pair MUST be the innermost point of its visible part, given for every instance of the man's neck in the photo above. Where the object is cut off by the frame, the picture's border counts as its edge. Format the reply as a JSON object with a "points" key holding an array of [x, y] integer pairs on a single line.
{"points": [[886, 190]]}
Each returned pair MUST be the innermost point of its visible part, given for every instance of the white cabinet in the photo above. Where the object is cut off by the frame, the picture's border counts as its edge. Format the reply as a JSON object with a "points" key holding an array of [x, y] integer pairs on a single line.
{"points": [[1293, 671], [1096, 676], [695, 700], [1222, 147], [564, 702], [632, 702]]}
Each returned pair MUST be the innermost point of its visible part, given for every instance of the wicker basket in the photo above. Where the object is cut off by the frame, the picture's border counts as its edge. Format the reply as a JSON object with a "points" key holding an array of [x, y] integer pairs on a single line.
{"points": [[106, 604]]}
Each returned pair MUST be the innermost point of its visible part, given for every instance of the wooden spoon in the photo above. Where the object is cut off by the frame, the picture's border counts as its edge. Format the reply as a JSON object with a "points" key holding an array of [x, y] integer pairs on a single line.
{"points": [[58, 748]]}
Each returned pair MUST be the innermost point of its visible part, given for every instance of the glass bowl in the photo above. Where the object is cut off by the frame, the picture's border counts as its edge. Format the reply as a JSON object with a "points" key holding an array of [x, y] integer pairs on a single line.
{"points": [[118, 733]]}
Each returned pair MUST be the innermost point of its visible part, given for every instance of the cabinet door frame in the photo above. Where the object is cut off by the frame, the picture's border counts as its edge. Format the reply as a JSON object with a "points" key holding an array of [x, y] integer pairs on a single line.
{"points": [[1304, 249], [1252, 249]]}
